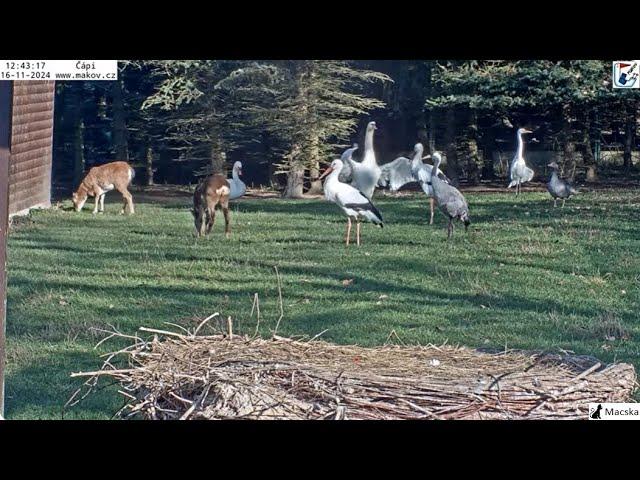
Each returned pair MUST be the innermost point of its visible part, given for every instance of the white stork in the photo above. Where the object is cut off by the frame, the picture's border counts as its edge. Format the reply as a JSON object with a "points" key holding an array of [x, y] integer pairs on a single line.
{"points": [[353, 203]]}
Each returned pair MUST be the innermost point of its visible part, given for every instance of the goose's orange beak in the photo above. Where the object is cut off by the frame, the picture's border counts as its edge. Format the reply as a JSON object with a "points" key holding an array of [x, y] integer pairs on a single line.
{"points": [[326, 172]]}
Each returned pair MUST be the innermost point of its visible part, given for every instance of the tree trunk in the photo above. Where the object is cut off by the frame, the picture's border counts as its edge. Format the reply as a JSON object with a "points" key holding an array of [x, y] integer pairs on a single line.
{"points": [[78, 150], [431, 133], [295, 182], [470, 143], [488, 147], [429, 115], [568, 145], [425, 123], [587, 152], [314, 172], [316, 185], [452, 168], [121, 146], [266, 147], [295, 174], [423, 137], [629, 136], [218, 158], [149, 164], [164, 162]]}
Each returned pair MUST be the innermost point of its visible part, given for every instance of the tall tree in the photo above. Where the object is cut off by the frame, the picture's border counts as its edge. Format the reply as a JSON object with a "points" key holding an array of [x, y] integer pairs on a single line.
{"points": [[310, 107]]}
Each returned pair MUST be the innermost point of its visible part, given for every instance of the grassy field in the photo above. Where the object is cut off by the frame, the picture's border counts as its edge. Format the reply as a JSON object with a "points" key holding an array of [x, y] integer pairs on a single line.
{"points": [[525, 276]]}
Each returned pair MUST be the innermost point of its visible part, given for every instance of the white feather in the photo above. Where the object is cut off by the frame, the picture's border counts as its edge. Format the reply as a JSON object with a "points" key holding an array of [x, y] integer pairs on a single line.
{"points": [[237, 186]]}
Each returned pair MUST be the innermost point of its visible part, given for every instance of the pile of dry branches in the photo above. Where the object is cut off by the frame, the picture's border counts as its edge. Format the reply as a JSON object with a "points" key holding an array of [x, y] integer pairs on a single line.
{"points": [[187, 376]]}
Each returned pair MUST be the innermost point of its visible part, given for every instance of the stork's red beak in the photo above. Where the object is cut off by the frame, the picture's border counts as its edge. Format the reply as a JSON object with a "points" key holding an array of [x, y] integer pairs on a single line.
{"points": [[326, 172], [527, 131]]}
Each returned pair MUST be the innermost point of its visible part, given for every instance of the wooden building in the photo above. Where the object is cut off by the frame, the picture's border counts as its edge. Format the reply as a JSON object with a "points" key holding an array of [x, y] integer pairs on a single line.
{"points": [[31, 145], [26, 147]]}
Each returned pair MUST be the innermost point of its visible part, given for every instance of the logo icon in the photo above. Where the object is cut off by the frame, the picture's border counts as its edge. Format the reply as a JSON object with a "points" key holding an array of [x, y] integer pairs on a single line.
{"points": [[625, 74], [594, 414]]}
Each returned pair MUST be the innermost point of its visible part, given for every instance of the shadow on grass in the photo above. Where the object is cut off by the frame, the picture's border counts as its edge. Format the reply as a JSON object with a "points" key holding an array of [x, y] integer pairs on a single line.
{"points": [[41, 390], [405, 278]]}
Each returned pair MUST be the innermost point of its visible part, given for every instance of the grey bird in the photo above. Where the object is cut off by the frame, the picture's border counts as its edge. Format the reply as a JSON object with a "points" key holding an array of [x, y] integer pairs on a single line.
{"points": [[559, 188], [449, 199]]}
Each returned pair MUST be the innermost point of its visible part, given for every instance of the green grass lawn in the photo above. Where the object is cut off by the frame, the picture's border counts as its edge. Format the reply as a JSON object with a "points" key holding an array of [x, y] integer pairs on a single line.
{"points": [[525, 276]]}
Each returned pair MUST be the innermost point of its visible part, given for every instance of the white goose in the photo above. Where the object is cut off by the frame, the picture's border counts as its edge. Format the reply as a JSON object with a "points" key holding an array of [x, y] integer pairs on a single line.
{"points": [[402, 171], [367, 172], [238, 188], [520, 173], [352, 202]]}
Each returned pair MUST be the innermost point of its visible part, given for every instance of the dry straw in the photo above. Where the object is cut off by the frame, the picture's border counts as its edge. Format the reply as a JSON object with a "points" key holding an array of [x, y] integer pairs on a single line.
{"points": [[190, 376]]}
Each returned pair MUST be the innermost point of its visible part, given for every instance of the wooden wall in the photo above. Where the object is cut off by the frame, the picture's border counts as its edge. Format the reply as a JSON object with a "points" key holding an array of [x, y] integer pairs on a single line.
{"points": [[31, 145]]}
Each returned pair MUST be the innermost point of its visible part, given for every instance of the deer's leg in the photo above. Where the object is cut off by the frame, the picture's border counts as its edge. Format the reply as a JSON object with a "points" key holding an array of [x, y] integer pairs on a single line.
{"points": [[95, 208], [450, 228], [200, 223], [129, 201], [102, 202], [227, 219], [124, 202], [432, 204], [563, 200], [358, 232], [211, 218]]}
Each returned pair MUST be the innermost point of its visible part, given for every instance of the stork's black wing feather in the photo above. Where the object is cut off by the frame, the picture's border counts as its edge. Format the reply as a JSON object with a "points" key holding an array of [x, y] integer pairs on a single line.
{"points": [[366, 205]]}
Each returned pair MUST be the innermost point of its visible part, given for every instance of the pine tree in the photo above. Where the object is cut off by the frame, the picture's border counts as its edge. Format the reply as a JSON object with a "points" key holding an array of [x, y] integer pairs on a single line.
{"points": [[198, 117], [562, 95], [310, 107]]}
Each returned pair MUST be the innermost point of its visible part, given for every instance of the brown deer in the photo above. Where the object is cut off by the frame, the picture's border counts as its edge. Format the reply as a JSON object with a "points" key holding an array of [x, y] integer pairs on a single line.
{"points": [[211, 191], [102, 179]]}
